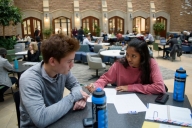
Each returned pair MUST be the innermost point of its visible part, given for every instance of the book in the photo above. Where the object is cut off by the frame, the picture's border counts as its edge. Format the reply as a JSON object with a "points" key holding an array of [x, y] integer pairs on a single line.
{"points": [[169, 114]]}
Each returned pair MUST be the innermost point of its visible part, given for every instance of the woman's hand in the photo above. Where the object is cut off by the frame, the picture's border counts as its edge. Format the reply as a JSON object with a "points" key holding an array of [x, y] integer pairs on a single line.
{"points": [[90, 88], [122, 88]]}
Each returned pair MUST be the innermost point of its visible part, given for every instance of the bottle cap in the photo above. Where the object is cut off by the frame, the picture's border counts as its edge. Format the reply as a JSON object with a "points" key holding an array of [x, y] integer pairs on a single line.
{"points": [[99, 93], [181, 70]]}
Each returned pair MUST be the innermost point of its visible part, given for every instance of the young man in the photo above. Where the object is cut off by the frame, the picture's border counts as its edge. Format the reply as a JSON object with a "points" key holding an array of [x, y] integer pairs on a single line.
{"points": [[148, 38], [42, 86], [87, 41]]}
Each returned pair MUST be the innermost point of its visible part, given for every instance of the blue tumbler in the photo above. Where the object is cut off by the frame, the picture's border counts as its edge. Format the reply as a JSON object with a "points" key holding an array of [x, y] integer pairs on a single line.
{"points": [[99, 109], [16, 65], [179, 84]]}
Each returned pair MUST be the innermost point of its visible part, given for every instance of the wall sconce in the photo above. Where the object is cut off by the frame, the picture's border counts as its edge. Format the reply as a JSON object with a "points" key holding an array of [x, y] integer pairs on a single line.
{"points": [[154, 18], [77, 16], [131, 16], [46, 17], [105, 16]]}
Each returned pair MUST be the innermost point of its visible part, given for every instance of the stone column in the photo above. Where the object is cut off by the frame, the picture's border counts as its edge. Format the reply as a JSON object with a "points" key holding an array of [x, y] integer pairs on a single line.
{"points": [[46, 19], [152, 17], [129, 16], [77, 16], [104, 17]]}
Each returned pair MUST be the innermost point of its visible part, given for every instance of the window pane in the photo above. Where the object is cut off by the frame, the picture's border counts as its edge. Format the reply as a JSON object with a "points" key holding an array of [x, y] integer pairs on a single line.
{"points": [[29, 27]]}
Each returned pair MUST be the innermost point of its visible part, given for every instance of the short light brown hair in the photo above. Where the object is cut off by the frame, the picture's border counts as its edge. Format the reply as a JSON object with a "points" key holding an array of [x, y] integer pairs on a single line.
{"points": [[58, 46]]}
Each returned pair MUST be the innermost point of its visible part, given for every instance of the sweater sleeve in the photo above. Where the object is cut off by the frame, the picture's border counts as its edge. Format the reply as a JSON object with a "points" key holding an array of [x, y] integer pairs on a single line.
{"points": [[157, 85], [109, 77], [33, 101]]}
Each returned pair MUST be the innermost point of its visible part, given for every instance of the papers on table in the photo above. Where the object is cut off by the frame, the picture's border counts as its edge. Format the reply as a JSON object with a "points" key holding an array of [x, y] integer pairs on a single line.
{"points": [[30, 63], [129, 103], [123, 103]]}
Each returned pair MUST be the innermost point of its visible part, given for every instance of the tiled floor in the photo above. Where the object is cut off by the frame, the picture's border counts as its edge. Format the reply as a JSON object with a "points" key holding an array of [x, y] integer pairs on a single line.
{"points": [[8, 118]]}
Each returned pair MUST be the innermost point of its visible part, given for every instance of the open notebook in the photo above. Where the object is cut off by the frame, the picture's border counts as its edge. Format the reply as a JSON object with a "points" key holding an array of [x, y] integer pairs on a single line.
{"points": [[169, 114]]}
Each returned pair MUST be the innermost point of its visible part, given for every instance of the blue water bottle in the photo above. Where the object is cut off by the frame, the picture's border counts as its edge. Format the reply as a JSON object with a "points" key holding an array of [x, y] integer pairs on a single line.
{"points": [[99, 109], [16, 65], [179, 84]]}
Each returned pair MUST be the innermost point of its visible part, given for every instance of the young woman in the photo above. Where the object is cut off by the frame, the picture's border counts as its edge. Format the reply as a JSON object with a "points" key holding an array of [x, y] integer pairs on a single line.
{"points": [[33, 53], [137, 72], [5, 80]]}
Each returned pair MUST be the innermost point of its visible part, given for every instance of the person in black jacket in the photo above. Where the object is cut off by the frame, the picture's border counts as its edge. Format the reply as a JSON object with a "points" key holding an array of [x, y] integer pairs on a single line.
{"points": [[33, 52], [171, 41]]}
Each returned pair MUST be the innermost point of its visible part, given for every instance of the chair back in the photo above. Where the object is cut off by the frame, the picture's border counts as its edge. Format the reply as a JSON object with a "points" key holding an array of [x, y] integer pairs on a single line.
{"points": [[84, 48], [19, 47], [155, 46], [115, 48], [11, 53], [16, 97], [97, 48], [9, 58], [94, 64], [190, 39]]}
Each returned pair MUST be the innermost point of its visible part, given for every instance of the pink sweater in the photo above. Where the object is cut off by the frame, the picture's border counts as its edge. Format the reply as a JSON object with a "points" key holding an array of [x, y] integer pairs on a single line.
{"points": [[131, 77]]}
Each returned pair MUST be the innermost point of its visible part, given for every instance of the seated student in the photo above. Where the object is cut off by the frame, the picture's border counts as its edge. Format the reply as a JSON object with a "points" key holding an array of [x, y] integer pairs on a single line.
{"points": [[5, 81], [33, 52], [137, 72], [87, 41], [18, 37], [171, 41], [42, 86], [148, 38], [105, 36]]}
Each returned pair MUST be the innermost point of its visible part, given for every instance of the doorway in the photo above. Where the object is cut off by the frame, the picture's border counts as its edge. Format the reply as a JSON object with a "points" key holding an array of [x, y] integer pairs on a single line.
{"points": [[62, 25], [164, 21], [89, 23], [141, 25], [116, 24], [28, 27]]}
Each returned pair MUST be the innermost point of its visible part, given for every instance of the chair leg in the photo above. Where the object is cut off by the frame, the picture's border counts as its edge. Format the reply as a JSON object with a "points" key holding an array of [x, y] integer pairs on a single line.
{"points": [[95, 76]]}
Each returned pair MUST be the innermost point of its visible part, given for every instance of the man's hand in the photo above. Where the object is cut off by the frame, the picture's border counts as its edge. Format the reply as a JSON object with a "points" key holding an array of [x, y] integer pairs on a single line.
{"points": [[90, 88], [122, 88], [84, 94], [80, 104]]}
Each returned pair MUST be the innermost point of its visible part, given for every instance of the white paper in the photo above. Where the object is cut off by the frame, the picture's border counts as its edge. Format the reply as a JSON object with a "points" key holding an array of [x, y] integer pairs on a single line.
{"points": [[128, 102], [30, 63], [110, 95], [168, 126]]}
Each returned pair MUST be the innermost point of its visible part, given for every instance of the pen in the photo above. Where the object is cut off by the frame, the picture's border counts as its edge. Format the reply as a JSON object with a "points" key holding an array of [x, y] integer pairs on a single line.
{"points": [[132, 112]]}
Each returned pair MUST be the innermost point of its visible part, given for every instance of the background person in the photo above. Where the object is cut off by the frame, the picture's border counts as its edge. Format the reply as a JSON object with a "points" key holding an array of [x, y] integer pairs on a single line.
{"points": [[33, 52], [171, 41], [137, 72], [37, 34], [87, 41], [148, 38], [5, 81], [42, 86]]}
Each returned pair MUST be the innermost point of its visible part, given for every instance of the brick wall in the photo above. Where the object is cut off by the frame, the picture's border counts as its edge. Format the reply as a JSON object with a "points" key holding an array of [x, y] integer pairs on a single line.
{"points": [[143, 5], [117, 4], [90, 5], [61, 4], [29, 4], [9, 30]]}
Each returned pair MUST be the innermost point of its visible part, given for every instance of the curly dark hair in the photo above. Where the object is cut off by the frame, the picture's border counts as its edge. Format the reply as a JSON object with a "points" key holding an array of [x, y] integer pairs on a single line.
{"points": [[140, 47], [58, 46]]}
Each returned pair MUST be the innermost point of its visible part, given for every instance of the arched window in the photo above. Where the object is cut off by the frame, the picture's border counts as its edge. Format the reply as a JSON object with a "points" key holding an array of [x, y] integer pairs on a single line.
{"points": [[116, 24], [28, 26], [62, 25], [89, 23]]}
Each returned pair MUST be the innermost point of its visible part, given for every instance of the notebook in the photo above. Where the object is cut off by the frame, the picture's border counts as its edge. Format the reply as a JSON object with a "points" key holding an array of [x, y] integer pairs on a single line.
{"points": [[169, 114]]}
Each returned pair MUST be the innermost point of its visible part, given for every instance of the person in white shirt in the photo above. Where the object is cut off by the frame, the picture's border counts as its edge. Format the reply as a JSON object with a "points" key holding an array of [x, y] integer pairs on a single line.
{"points": [[87, 41], [148, 38]]}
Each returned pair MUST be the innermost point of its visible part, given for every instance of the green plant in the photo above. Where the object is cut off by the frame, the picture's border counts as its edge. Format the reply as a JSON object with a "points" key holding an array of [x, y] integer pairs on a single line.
{"points": [[7, 43], [9, 14], [158, 27], [97, 30], [86, 31], [47, 32]]}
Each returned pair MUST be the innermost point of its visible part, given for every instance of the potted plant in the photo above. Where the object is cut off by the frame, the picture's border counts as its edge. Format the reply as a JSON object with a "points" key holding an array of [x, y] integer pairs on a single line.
{"points": [[158, 27], [47, 32], [86, 31], [97, 30]]}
